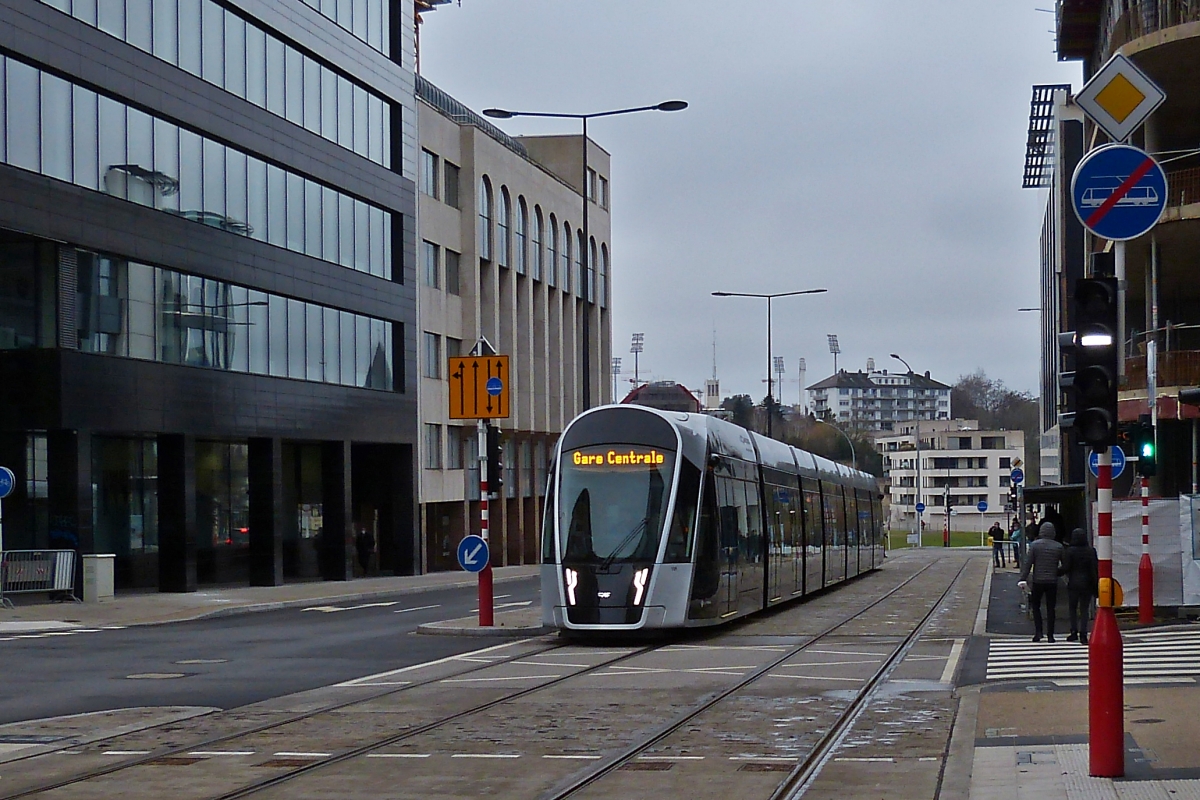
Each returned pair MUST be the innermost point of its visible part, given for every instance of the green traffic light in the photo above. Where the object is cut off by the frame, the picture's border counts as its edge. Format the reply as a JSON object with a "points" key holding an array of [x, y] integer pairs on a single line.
{"points": [[1147, 450]]}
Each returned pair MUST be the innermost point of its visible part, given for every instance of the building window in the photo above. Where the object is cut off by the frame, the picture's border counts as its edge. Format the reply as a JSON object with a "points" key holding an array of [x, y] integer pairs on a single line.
{"points": [[603, 192], [593, 259], [580, 277], [537, 243], [453, 347], [1005, 462], [453, 260], [591, 184], [519, 243], [454, 447], [433, 356], [603, 275], [128, 154], [503, 224], [429, 174], [451, 184], [433, 446], [429, 257], [225, 50], [369, 20], [485, 219], [565, 274], [551, 251]]}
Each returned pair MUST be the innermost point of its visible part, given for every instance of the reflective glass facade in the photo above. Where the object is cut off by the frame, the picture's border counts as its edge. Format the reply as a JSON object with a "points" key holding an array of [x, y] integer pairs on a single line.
{"points": [[73, 134], [369, 20], [220, 47], [135, 310]]}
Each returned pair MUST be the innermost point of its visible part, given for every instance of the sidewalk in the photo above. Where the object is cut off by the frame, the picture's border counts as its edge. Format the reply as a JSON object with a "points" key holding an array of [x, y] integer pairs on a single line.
{"points": [[1031, 732], [154, 608]]}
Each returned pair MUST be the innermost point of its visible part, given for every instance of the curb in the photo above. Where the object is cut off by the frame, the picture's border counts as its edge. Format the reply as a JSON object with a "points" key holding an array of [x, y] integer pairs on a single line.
{"points": [[433, 629]]}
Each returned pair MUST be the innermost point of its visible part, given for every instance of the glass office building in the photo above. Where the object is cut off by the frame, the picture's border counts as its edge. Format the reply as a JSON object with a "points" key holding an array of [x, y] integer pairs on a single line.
{"points": [[207, 312]]}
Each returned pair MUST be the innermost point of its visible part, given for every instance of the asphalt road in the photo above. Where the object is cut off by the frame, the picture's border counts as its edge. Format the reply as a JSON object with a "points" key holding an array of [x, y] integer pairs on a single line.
{"points": [[237, 659]]}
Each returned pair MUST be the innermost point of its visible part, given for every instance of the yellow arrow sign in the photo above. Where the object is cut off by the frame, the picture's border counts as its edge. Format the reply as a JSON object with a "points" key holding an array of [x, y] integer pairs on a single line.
{"points": [[479, 387]]}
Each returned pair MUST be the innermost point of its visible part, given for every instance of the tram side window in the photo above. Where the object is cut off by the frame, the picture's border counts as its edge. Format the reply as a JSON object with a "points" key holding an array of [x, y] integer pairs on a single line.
{"points": [[814, 520], [679, 540], [835, 514], [752, 545], [708, 552], [851, 519], [877, 519], [731, 499], [548, 523]]}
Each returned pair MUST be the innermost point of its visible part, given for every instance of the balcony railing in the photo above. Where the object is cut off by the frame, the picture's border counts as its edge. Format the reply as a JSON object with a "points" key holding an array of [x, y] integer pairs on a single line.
{"points": [[1122, 21], [1175, 368], [1183, 186]]}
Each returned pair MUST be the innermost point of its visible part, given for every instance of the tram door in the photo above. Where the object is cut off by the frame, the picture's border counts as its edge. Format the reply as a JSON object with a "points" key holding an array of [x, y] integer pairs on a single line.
{"points": [[814, 535]]}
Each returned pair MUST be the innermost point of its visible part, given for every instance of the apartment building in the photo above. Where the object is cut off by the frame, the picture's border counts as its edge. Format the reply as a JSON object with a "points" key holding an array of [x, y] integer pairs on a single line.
{"points": [[500, 257], [877, 400]]}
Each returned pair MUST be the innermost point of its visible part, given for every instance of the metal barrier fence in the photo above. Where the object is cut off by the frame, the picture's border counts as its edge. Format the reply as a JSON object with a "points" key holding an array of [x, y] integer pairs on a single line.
{"points": [[25, 571]]}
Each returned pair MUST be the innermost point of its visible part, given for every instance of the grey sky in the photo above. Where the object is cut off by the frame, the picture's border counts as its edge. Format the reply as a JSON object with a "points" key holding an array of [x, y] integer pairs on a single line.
{"points": [[873, 147]]}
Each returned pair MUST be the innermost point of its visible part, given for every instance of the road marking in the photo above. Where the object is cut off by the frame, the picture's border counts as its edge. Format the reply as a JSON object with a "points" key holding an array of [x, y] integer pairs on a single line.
{"points": [[418, 608], [367, 680], [505, 605], [670, 758], [878, 656], [203, 661], [881, 760], [769, 648], [548, 664], [334, 609], [829, 663], [486, 755], [762, 758], [577, 758], [221, 753], [952, 662], [507, 678], [154, 676], [287, 754], [814, 677], [125, 753], [397, 755]]}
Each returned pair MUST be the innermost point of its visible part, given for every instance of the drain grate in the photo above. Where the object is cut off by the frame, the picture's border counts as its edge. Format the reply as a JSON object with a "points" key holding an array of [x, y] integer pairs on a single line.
{"points": [[647, 766], [1147, 721], [762, 767], [175, 761], [286, 762]]}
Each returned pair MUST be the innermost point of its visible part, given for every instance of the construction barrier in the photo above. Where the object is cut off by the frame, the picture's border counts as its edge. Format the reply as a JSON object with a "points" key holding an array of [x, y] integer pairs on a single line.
{"points": [[26, 571]]}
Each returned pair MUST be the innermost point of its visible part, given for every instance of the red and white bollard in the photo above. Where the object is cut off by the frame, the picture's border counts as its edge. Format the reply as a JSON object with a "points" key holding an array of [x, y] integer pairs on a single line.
{"points": [[1106, 691], [486, 619], [1145, 566]]}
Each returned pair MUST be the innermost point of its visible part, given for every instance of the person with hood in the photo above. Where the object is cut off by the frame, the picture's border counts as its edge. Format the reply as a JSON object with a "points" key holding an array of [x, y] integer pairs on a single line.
{"points": [[1043, 560], [1082, 568]]}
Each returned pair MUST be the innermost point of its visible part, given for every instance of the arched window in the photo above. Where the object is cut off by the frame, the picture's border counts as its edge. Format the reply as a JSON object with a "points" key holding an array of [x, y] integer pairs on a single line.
{"points": [[579, 276], [522, 226], [503, 225], [591, 270], [485, 219], [603, 276], [537, 243], [552, 251], [564, 275]]}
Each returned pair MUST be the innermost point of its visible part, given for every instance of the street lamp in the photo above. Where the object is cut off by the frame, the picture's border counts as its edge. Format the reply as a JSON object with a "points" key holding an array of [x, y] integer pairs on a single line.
{"points": [[585, 259], [853, 457], [920, 533], [770, 358], [636, 347], [834, 349], [616, 372]]}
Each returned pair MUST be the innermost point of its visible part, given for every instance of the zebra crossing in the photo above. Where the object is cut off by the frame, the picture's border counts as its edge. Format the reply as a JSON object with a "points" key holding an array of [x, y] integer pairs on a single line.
{"points": [[1151, 656]]}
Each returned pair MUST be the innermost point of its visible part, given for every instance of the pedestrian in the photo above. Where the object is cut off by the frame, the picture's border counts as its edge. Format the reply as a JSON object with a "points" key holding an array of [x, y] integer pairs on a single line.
{"points": [[364, 543], [1041, 569], [997, 536], [1082, 568], [1018, 542]]}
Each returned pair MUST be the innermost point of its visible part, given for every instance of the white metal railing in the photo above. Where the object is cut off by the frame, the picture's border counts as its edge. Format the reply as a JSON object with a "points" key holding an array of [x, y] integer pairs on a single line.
{"points": [[27, 571]]}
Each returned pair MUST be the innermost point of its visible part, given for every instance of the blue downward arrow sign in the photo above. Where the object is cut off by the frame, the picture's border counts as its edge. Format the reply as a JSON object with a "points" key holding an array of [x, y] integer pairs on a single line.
{"points": [[469, 557]]}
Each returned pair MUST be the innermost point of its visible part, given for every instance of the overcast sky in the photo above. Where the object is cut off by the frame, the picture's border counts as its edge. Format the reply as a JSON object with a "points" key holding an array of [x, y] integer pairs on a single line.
{"points": [[871, 147]]}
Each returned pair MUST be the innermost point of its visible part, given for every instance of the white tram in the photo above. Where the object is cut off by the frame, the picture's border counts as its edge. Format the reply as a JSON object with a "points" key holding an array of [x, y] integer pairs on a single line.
{"points": [[659, 519]]}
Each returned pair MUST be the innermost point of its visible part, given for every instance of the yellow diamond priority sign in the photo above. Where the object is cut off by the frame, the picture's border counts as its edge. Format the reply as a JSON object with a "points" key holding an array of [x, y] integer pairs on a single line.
{"points": [[1120, 97]]}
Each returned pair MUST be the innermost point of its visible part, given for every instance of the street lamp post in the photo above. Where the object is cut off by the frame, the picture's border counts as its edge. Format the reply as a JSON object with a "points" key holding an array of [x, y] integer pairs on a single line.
{"points": [[770, 358], [920, 533], [853, 457], [585, 256]]}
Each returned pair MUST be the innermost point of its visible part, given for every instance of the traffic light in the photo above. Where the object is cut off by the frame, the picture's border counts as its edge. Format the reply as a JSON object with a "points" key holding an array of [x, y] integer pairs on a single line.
{"points": [[1145, 448], [1092, 386], [495, 461]]}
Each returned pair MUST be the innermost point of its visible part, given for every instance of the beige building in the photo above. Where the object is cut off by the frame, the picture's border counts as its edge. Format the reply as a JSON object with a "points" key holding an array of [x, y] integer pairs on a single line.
{"points": [[500, 256], [959, 463]]}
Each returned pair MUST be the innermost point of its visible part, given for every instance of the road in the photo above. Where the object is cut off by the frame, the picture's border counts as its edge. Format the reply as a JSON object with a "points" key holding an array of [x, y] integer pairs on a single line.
{"points": [[227, 662]]}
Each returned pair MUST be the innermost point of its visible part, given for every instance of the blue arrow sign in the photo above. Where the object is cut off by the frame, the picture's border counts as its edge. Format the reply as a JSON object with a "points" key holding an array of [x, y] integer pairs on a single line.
{"points": [[982, 506], [7, 482], [920, 508], [473, 553], [494, 387], [1118, 462], [1017, 477], [1119, 192]]}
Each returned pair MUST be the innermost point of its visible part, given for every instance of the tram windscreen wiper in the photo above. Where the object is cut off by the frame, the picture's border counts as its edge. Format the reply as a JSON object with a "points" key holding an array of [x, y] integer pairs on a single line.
{"points": [[629, 537]]}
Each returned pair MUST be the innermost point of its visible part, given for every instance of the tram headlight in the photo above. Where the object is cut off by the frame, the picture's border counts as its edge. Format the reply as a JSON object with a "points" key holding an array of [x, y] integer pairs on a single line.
{"points": [[639, 584], [572, 582]]}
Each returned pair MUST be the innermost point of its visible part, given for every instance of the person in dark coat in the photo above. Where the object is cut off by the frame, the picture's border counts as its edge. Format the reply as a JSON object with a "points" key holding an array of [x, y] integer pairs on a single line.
{"points": [[1082, 568], [1043, 561], [996, 533]]}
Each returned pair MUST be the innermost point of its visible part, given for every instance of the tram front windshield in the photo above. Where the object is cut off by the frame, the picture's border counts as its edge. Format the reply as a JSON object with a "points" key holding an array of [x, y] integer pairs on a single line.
{"points": [[612, 503]]}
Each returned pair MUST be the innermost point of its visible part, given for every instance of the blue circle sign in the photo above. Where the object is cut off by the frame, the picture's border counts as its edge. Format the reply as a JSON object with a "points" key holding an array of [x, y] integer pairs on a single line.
{"points": [[1017, 477], [1119, 192], [495, 386], [1118, 462], [920, 508], [473, 553], [7, 482], [982, 506]]}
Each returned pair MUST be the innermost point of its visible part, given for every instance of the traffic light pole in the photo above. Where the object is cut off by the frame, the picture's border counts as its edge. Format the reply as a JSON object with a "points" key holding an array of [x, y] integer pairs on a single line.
{"points": [[1106, 694], [1145, 566], [486, 618]]}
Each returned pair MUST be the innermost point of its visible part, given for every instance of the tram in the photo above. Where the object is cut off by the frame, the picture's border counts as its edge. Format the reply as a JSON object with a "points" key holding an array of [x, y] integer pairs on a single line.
{"points": [[658, 519]]}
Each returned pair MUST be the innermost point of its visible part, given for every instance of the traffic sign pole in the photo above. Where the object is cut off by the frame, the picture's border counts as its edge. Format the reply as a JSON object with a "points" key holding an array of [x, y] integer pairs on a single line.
{"points": [[1106, 694], [8, 482], [486, 611], [1145, 566]]}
